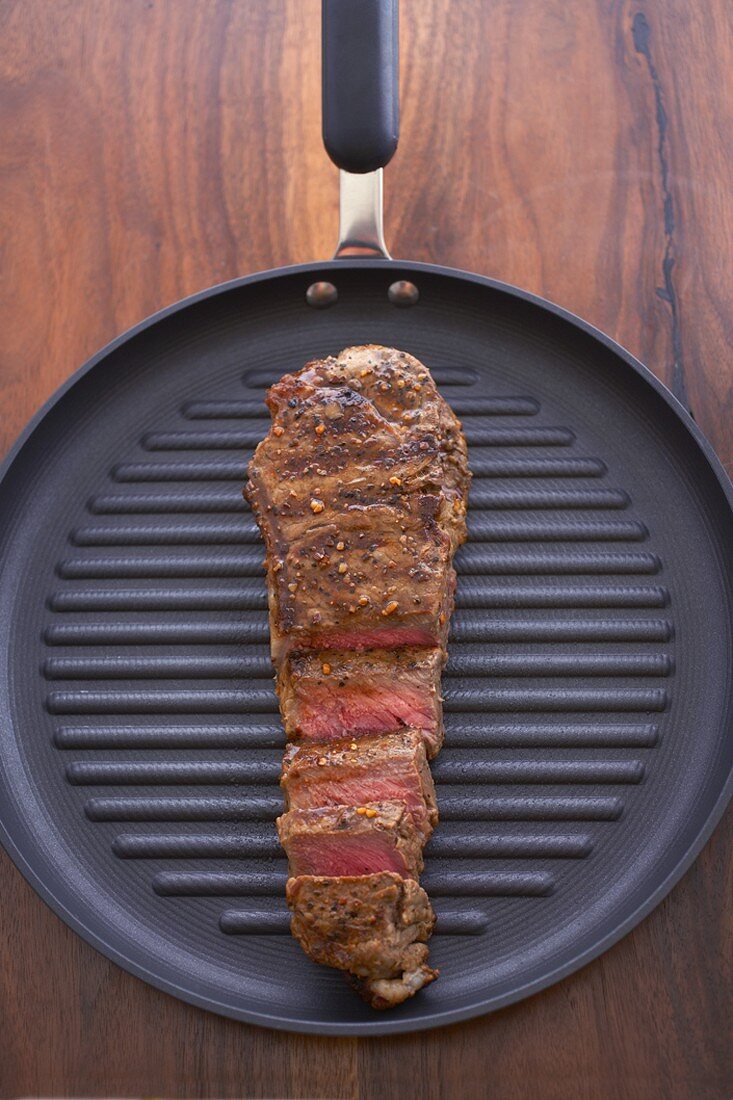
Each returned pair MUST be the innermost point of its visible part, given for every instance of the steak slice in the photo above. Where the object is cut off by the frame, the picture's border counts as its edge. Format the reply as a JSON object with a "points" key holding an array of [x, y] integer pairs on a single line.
{"points": [[374, 927], [373, 575], [327, 695], [392, 768], [360, 493], [352, 840]]}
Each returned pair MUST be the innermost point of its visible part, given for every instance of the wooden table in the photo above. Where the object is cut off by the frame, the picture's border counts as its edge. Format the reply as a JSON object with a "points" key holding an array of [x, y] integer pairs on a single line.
{"points": [[583, 150]]}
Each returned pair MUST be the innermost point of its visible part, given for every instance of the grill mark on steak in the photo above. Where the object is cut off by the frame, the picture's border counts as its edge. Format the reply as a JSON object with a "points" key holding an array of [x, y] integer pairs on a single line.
{"points": [[360, 492]]}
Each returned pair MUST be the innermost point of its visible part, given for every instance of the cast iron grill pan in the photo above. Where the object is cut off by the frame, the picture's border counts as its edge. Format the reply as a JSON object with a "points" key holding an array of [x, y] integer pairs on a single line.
{"points": [[588, 704]]}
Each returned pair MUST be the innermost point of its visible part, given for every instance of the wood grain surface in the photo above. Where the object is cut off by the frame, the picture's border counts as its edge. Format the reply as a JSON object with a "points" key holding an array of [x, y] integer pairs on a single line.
{"points": [[580, 148]]}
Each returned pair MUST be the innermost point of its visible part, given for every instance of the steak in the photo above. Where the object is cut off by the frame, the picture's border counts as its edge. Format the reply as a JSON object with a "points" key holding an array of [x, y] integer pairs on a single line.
{"points": [[375, 927], [360, 491], [392, 768], [352, 840], [327, 695]]}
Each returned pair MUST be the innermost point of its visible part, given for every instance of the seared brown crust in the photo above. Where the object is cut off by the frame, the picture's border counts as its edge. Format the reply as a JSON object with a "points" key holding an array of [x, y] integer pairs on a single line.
{"points": [[375, 927], [380, 834], [326, 695], [392, 767], [360, 492]]}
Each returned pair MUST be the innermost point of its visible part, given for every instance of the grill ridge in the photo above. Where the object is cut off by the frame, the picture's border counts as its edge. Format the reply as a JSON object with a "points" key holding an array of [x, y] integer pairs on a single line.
{"points": [[254, 845], [262, 700], [445, 375], [464, 628], [249, 596], [460, 664], [267, 771], [236, 532], [227, 469], [462, 732], [243, 438], [452, 808], [248, 563], [472, 884], [274, 921], [230, 501], [246, 410]]}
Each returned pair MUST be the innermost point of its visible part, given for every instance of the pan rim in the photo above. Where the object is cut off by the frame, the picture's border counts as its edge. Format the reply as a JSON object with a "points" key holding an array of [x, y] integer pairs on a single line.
{"points": [[50, 887]]}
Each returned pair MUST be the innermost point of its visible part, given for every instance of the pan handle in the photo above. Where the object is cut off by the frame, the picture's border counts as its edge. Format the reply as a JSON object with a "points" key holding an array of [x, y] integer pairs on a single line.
{"points": [[360, 74], [360, 113]]}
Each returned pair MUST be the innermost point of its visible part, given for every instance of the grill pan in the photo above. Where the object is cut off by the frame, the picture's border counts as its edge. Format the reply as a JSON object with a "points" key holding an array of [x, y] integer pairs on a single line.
{"points": [[588, 698]]}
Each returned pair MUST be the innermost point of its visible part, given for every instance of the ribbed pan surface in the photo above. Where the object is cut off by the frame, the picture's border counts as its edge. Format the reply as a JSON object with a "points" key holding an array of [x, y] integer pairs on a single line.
{"points": [[587, 695]]}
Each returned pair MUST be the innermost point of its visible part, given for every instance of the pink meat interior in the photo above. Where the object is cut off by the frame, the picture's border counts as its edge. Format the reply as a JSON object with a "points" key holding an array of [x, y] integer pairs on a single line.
{"points": [[308, 792], [344, 855], [326, 711]]}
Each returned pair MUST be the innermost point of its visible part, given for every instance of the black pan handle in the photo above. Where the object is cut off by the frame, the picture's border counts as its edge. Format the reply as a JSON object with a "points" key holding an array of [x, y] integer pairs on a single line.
{"points": [[360, 83]]}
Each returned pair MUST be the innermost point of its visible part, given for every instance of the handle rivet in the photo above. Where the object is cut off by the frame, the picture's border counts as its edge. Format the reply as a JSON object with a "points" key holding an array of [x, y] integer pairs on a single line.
{"points": [[321, 295], [403, 293]]}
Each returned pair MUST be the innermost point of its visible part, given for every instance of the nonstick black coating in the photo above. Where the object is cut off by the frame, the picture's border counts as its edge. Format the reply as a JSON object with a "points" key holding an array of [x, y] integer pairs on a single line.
{"points": [[588, 751]]}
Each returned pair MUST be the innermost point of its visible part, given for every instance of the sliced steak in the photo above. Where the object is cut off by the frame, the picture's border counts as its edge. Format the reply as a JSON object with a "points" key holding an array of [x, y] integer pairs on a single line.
{"points": [[327, 695], [352, 840], [374, 927], [392, 768], [360, 492]]}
